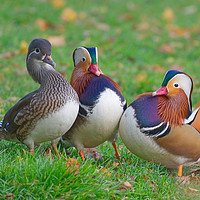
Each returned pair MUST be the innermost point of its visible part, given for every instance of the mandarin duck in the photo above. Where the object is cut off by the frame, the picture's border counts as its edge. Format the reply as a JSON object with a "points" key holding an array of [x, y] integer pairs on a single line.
{"points": [[101, 104], [46, 113], [155, 126]]}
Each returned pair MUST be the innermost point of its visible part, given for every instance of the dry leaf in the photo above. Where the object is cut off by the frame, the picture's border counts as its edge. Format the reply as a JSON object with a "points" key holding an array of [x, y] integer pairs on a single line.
{"points": [[72, 165], [141, 77], [115, 164], [58, 3], [168, 14], [182, 32], [196, 169], [57, 40], [10, 196], [41, 24], [125, 186], [68, 15], [144, 26], [166, 48], [159, 68], [190, 190], [82, 15], [104, 170], [126, 17], [8, 54], [177, 67], [23, 47], [103, 27], [92, 152]]}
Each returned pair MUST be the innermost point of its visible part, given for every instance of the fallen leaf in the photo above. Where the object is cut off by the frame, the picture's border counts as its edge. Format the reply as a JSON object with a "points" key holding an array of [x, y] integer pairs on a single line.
{"points": [[10, 196], [153, 184], [58, 3], [68, 15], [23, 47], [124, 186], [126, 17], [144, 26], [103, 27], [182, 32], [104, 170], [168, 14], [41, 24], [93, 152], [146, 177], [159, 68], [177, 67], [57, 40], [167, 48], [141, 77], [72, 165], [8, 54], [82, 15], [190, 190], [115, 164], [195, 170]]}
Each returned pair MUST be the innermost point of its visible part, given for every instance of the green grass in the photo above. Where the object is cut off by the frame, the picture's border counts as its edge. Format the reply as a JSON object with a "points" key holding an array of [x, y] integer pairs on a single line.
{"points": [[129, 35]]}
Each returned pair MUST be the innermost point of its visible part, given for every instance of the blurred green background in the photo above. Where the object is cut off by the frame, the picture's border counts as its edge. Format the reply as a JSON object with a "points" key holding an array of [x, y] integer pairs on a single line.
{"points": [[138, 41]]}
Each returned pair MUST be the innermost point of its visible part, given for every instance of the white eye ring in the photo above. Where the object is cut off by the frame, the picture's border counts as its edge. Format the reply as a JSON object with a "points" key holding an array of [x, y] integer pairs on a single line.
{"points": [[176, 85], [37, 50], [83, 59]]}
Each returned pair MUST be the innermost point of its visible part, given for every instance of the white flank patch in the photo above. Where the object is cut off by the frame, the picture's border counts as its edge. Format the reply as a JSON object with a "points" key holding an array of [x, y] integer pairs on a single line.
{"points": [[101, 125], [55, 124], [145, 146]]}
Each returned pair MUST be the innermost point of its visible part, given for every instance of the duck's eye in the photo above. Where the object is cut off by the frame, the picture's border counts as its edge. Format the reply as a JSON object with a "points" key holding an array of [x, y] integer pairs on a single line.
{"points": [[176, 85], [37, 50], [83, 59]]}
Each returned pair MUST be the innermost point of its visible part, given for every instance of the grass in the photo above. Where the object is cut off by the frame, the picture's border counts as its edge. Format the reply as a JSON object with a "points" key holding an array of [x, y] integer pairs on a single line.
{"points": [[131, 37]]}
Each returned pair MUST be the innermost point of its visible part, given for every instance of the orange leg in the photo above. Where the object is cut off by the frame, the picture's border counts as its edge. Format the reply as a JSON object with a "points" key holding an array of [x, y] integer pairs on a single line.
{"points": [[116, 151], [54, 146], [180, 169], [81, 154]]}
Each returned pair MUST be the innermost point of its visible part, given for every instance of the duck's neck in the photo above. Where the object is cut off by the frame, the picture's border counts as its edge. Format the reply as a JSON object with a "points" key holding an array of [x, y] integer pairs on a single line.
{"points": [[174, 109], [80, 80], [39, 72]]}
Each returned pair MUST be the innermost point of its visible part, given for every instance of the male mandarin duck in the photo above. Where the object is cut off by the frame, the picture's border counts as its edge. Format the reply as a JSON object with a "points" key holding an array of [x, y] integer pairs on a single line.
{"points": [[46, 113], [101, 104], [154, 126]]}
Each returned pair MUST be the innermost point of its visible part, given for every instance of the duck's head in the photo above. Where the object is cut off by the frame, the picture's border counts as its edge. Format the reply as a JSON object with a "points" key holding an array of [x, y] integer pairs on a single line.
{"points": [[177, 89], [86, 60], [39, 58]]}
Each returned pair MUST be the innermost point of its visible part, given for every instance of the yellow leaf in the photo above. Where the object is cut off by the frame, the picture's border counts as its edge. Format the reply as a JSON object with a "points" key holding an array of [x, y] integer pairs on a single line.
{"points": [[168, 14], [23, 47], [68, 15], [58, 3]]}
